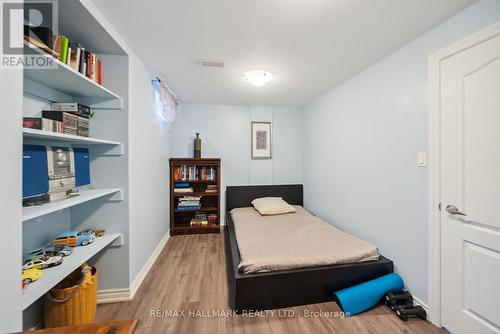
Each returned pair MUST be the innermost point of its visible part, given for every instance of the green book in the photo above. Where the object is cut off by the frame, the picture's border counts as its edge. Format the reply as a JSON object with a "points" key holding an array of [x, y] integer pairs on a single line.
{"points": [[64, 49]]}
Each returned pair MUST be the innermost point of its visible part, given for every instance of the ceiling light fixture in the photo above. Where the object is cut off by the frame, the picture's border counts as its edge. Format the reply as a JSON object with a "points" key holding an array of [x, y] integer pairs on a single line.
{"points": [[258, 78]]}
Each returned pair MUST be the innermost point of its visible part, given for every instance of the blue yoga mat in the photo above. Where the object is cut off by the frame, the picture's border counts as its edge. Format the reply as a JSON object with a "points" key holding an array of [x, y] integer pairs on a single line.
{"points": [[361, 297]]}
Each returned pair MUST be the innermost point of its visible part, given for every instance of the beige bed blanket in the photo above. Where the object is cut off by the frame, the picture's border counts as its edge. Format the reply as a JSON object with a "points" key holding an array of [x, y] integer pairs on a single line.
{"points": [[294, 240]]}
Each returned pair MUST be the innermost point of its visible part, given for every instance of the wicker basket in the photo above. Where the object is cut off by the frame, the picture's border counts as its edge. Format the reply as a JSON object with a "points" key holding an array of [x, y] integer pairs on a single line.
{"points": [[74, 300]]}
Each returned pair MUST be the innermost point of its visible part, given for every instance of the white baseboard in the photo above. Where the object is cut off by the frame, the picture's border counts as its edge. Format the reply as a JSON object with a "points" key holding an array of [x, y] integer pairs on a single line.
{"points": [[113, 296], [148, 265], [419, 302], [122, 295]]}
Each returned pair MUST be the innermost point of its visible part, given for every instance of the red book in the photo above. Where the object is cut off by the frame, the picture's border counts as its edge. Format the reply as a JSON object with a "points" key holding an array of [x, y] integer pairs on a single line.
{"points": [[91, 65], [99, 72]]}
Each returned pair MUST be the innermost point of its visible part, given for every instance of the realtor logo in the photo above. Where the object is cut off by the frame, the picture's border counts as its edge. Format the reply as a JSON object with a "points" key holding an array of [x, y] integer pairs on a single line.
{"points": [[27, 33]]}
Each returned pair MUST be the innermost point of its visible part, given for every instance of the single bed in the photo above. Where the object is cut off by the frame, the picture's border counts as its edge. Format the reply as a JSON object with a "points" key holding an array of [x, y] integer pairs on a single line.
{"points": [[266, 277]]}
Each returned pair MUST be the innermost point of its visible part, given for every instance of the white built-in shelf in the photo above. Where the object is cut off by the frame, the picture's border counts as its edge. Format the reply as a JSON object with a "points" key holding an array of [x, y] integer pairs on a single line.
{"points": [[52, 276], [35, 134], [65, 79], [31, 212]]}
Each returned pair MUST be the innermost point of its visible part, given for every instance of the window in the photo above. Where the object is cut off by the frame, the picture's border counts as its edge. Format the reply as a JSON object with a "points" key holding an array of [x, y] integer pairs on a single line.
{"points": [[165, 100]]}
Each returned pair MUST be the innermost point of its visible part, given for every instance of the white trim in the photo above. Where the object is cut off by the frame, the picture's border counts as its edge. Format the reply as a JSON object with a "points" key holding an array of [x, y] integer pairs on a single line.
{"points": [[148, 265], [113, 296], [418, 301], [122, 295], [434, 225]]}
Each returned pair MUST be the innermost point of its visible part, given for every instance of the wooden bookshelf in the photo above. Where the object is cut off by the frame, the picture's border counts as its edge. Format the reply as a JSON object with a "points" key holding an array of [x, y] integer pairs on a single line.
{"points": [[180, 220]]}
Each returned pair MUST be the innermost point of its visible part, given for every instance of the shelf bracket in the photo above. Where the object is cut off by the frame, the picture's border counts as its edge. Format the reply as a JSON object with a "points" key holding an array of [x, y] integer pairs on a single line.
{"points": [[118, 242], [108, 150], [115, 151], [117, 196]]}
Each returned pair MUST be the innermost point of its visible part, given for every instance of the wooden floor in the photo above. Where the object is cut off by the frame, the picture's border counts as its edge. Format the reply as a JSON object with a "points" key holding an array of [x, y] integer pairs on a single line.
{"points": [[190, 274]]}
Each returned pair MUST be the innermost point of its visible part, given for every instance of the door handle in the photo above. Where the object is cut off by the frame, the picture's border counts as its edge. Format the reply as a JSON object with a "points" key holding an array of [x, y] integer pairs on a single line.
{"points": [[454, 210]]}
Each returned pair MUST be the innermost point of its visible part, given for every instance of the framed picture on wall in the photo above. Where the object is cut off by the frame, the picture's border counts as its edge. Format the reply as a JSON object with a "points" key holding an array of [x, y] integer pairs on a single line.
{"points": [[261, 140]]}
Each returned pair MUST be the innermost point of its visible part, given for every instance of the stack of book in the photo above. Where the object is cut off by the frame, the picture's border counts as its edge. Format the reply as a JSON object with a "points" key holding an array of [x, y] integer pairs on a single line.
{"points": [[211, 188], [82, 111], [83, 126], [44, 124], [74, 55], [68, 118], [52, 125], [199, 219], [189, 203], [195, 173], [212, 218], [182, 188], [32, 123]]}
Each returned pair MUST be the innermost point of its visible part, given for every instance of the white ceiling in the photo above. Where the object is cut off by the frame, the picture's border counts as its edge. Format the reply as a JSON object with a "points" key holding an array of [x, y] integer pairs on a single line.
{"points": [[310, 46]]}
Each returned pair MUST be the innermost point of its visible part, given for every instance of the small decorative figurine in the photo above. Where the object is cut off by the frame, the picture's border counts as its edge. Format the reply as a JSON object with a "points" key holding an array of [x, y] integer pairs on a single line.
{"points": [[197, 146]]}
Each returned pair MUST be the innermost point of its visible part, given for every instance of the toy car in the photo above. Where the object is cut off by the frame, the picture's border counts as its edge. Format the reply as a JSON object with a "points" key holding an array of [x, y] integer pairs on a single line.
{"points": [[52, 250], [88, 231], [74, 238], [42, 262], [99, 233], [62, 249], [31, 275]]}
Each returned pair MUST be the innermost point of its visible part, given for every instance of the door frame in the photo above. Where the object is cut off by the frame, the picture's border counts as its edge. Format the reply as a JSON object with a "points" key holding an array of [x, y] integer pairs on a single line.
{"points": [[434, 156]]}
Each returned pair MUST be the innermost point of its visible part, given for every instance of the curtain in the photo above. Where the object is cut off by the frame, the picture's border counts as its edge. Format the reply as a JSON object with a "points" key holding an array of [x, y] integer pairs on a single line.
{"points": [[165, 100]]}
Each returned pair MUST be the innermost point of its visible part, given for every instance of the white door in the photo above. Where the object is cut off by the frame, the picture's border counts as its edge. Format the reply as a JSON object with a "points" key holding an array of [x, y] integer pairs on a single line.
{"points": [[470, 189]]}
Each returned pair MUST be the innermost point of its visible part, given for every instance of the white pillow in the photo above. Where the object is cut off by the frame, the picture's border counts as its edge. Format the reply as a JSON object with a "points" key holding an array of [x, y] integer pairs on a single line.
{"points": [[272, 206]]}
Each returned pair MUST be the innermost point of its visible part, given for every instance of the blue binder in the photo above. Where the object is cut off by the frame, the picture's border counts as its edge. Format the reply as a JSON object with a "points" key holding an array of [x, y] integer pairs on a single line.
{"points": [[82, 166], [35, 171]]}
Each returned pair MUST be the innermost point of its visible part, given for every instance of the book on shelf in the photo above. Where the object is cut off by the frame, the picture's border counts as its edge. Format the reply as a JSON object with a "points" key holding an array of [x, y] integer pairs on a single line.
{"points": [[81, 61], [195, 173], [60, 46], [74, 59], [211, 188], [69, 120], [212, 218], [183, 190], [199, 219], [83, 126], [71, 54], [32, 123], [190, 198], [78, 58], [189, 202], [52, 125], [68, 57], [188, 208]]}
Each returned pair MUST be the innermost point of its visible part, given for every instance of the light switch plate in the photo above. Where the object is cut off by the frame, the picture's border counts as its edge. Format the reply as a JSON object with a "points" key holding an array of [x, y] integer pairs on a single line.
{"points": [[422, 159]]}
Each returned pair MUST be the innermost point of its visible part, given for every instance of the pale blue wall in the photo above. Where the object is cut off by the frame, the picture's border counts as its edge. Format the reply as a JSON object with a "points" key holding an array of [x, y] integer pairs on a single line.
{"points": [[150, 144], [225, 133], [360, 145]]}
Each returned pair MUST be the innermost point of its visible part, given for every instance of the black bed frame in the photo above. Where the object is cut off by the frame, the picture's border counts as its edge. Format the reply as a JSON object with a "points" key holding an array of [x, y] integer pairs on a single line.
{"points": [[286, 288]]}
